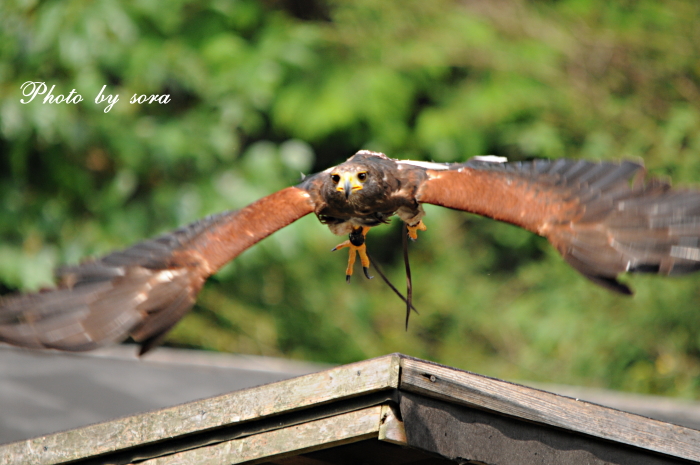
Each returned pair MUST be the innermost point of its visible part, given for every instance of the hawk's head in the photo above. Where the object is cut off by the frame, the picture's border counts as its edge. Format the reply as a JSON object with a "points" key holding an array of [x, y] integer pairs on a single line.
{"points": [[359, 179]]}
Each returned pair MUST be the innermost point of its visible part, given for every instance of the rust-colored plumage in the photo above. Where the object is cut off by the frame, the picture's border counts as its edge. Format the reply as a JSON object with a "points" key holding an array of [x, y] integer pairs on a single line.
{"points": [[603, 218]]}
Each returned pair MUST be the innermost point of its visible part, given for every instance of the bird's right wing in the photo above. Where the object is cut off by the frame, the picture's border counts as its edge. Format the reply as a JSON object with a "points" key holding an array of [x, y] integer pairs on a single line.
{"points": [[144, 290]]}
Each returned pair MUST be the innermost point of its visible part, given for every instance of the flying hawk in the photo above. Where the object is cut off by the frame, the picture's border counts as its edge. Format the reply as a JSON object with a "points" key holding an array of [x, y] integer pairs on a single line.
{"points": [[603, 218]]}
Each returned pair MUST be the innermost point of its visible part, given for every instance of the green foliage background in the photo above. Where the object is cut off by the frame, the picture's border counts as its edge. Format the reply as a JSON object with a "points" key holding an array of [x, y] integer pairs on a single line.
{"points": [[264, 90]]}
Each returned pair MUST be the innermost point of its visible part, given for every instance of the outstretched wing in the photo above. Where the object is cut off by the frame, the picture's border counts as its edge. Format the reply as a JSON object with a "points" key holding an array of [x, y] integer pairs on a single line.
{"points": [[603, 218], [144, 290]]}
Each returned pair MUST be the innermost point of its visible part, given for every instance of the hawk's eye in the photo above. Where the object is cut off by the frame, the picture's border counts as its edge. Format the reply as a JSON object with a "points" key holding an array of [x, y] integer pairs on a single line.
{"points": [[362, 176], [335, 178]]}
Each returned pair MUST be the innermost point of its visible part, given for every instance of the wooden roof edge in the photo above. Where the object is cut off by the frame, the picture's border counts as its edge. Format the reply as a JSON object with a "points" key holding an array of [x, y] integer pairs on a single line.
{"points": [[534, 405], [347, 388], [315, 389]]}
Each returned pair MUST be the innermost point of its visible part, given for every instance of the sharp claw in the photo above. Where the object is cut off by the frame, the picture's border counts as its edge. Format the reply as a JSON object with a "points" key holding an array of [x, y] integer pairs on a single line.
{"points": [[347, 278], [341, 246], [366, 270]]}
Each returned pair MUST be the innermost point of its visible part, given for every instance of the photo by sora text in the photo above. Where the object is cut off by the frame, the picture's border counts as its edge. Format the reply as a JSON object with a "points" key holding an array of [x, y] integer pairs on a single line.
{"points": [[33, 89]]}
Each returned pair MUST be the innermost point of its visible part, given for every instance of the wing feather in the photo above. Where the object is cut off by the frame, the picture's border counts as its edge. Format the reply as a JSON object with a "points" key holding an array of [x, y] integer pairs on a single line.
{"points": [[142, 291], [602, 217]]}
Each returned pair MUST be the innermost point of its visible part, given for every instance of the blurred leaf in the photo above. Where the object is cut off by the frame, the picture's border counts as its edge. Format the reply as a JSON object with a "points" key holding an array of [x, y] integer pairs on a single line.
{"points": [[260, 95]]}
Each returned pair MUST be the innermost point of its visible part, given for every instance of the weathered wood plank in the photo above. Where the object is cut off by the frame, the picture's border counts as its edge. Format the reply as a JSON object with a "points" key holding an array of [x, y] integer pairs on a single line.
{"points": [[546, 408], [297, 439], [250, 404], [473, 435]]}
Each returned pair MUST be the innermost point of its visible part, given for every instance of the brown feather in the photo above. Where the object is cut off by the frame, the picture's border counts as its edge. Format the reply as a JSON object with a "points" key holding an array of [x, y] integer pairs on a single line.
{"points": [[602, 217], [144, 290], [513, 197]]}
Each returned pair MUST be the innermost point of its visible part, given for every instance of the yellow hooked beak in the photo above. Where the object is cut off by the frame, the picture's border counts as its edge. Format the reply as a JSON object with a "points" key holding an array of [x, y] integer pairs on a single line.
{"points": [[349, 182]]}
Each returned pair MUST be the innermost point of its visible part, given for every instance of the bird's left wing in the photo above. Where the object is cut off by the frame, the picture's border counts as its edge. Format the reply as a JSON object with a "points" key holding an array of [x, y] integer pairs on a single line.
{"points": [[144, 290], [603, 218]]}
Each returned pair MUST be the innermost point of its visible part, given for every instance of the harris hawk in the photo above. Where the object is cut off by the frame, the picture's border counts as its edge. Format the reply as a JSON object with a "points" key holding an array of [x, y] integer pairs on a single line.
{"points": [[603, 218]]}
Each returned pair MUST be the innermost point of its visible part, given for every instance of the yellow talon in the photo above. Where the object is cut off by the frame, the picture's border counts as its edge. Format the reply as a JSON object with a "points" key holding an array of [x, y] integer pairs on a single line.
{"points": [[358, 235], [413, 230]]}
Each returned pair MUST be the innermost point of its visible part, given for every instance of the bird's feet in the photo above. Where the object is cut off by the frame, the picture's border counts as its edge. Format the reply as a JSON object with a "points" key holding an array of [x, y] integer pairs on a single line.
{"points": [[356, 244], [413, 230]]}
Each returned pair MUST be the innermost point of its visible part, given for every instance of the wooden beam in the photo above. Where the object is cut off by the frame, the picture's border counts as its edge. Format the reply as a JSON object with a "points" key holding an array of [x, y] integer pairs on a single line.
{"points": [[293, 440], [315, 389], [461, 387]]}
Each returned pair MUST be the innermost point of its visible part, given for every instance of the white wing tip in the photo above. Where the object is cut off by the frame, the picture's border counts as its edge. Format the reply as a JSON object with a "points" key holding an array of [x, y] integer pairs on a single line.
{"points": [[426, 164], [489, 158]]}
